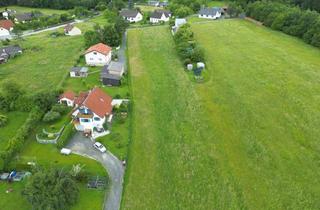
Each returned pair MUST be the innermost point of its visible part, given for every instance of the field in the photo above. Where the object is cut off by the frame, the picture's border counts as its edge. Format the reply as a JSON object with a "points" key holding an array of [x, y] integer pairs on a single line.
{"points": [[29, 9], [245, 139]]}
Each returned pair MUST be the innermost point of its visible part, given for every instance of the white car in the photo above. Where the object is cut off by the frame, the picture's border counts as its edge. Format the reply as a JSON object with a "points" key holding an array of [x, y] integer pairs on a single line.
{"points": [[99, 147]]}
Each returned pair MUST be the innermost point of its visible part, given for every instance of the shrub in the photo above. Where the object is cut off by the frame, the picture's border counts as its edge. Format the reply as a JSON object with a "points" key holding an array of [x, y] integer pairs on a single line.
{"points": [[67, 133], [51, 116], [61, 108], [3, 120]]}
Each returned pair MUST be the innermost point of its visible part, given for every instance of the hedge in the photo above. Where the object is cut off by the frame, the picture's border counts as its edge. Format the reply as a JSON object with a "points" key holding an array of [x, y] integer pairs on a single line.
{"points": [[16, 143], [67, 133]]}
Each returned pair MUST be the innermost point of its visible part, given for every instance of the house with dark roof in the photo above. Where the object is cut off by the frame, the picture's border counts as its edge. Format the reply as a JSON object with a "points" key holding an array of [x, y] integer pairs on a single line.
{"points": [[6, 26], [111, 74], [210, 13], [160, 15], [79, 72], [131, 15], [9, 52], [98, 55], [24, 17], [71, 30]]}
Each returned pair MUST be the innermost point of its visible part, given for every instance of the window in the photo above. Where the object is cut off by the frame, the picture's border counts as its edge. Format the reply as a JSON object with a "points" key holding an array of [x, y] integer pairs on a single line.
{"points": [[96, 119], [95, 53], [91, 59], [85, 120], [100, 59]]}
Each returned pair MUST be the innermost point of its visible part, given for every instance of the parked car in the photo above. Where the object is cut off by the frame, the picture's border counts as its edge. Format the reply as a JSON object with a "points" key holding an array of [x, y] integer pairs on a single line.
{"points": [[99, 147]]}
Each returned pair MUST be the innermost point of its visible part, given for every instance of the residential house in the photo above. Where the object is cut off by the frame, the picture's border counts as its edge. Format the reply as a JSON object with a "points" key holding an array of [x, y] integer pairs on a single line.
{"points": [[79, 72], [98, 55], [160, 16], [132, 16], [153, 3], [71, 30], [111, 74], [7, 13], [163, 4], [92, 112], [67, 98], [24, 17], [210, 13], [9, 52], [6, 26], [178, 23]]}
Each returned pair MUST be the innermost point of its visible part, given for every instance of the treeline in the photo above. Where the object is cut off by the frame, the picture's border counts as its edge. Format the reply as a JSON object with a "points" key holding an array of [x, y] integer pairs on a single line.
{"points": [[60, 4], [304, 4], [183, 8], [294, 21]]}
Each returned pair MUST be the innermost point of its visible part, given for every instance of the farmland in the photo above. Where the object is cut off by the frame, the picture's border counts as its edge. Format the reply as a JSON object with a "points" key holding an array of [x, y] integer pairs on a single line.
{"points": [[244, 139]]}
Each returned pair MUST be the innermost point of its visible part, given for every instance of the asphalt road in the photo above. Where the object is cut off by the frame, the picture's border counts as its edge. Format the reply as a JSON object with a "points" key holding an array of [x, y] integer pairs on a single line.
{"points": [[83, 146]]}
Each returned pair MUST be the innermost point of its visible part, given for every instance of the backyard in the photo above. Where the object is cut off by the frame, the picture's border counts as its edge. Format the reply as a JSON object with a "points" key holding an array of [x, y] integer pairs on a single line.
{"points": [[247, 137]]}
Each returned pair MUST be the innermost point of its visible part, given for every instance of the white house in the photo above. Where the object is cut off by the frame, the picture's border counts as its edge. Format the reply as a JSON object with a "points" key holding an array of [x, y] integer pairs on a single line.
{"points": [[6, 26], [71, 30], [98, 55], [7, 13], [67, 98], [132, 16], [210, 13], [91, 109], [160, 16]]}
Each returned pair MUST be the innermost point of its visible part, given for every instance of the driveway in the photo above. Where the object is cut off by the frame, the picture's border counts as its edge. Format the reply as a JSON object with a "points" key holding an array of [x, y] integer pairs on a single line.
{"points": [[122, 51], [83, 146]]}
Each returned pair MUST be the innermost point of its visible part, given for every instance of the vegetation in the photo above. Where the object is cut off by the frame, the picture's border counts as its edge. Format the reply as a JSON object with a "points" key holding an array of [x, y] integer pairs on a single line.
{"points": [[290, 20], [3, 120], [51, 116], [53, 189], [247, 137], [66, 135]]}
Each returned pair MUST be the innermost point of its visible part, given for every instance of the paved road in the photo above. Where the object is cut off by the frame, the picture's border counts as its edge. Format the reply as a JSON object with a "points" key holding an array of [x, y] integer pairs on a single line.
{"points": [[122, 51], [29, 33], [83, 146]]}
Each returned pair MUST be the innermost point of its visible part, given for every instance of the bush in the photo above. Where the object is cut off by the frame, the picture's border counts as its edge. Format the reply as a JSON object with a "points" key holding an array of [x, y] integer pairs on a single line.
{"points": [[51, 116], [67, 133], [3, 120], [61, 108]]}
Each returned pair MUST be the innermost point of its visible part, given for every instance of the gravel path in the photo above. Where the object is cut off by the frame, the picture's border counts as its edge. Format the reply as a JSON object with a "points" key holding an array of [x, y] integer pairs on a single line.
{"points": [[83, 146]]}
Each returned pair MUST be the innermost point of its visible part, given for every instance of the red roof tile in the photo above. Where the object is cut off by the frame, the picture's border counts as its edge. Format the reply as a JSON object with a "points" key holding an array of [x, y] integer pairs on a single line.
{"points": [[99, 102], [7, 24], [101, 48], [80, 99], [68, 94]]}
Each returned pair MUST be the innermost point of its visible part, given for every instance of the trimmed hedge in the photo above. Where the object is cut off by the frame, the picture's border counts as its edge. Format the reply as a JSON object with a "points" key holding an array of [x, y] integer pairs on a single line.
{"points": [[67, 133]]}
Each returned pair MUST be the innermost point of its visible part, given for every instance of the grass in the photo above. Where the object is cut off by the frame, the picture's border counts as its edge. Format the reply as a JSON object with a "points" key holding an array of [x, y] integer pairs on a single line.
{"points": [[245, 139], [15, 120], [147, 8], [14, 200], [45, 11], [217, 3]]}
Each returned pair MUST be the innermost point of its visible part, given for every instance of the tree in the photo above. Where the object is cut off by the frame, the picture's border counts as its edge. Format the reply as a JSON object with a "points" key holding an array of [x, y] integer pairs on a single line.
{"points": [[111, 36], [51, 116], [51, 189], [91, 38], [3, 120], [183, 11]]}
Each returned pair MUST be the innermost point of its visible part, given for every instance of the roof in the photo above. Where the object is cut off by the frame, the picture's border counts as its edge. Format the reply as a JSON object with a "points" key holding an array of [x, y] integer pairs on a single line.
{"points": [[129, 13], [7, 24], [68, 27], [68, 94], [101, 48], [158, 13], [11, 50], [209, 11], [98, 102], [79, 69], [80, 99], [24, 16], [114, 66]]}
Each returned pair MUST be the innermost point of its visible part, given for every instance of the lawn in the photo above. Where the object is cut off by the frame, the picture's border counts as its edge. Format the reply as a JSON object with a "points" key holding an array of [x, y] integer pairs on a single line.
{"points": [[245, 139], [45, 11], [217, 3], [147, 8], [15, 120]]}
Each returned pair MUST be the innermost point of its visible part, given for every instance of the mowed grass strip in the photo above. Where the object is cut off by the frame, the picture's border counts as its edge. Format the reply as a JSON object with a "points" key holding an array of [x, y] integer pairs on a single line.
{"points": [[263, 104], [172, 159]]}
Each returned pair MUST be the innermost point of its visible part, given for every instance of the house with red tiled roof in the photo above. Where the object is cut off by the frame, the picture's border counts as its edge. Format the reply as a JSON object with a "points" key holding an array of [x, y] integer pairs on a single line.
{"points": [[67, 98], [6, 26], [98, 55]]}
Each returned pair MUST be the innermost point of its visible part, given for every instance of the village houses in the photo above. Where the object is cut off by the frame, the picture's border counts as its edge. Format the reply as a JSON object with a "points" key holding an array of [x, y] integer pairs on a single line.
{"points": [[6, 26], [132, 16], [159, 16], [98, 55]]}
